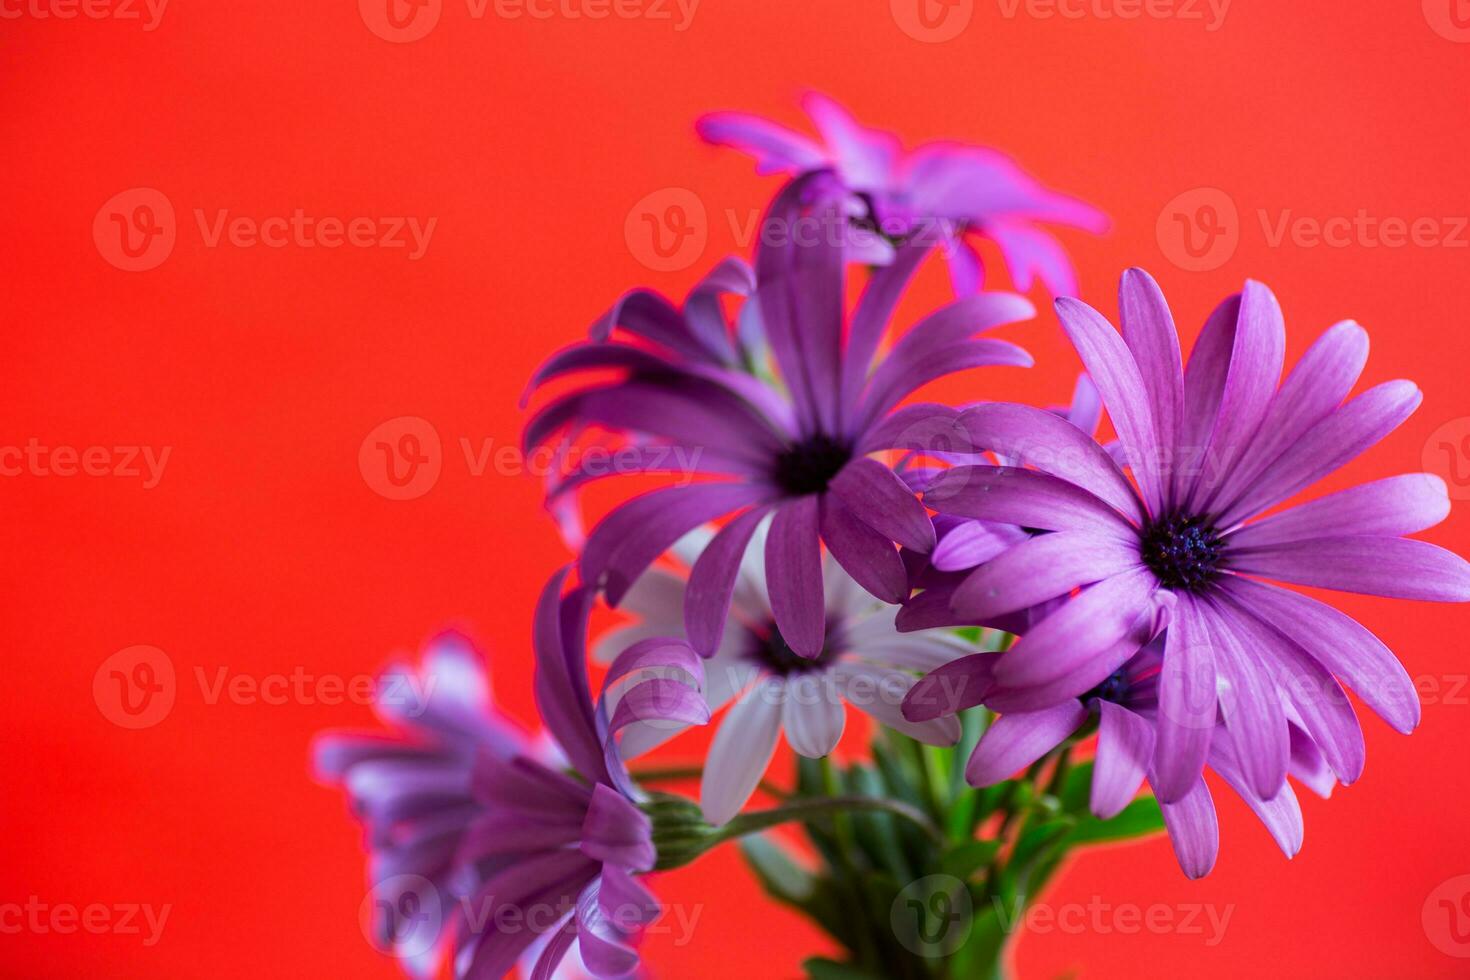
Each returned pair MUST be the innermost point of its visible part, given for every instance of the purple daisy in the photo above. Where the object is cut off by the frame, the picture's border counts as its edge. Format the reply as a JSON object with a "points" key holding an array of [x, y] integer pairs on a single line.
{"points": [[800, 450], [532, 856], [1124, 709], [1211, 449], [865, 663], [896, 195]]}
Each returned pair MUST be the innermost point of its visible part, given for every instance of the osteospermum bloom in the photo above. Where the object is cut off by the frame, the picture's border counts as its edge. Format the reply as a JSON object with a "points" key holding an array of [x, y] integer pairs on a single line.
{"points": [[1211, 449], [802, 451], [865, 663], [938, 187], [522, 856], [411, 787], [1124, 709]]}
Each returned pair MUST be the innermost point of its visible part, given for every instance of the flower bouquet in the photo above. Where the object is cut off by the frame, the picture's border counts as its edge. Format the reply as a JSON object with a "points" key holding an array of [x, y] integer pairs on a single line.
{"points": [[1056, 635]]}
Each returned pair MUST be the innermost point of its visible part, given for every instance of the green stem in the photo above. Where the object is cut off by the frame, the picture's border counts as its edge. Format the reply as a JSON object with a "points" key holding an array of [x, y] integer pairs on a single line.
{"points": [[677, 774]]}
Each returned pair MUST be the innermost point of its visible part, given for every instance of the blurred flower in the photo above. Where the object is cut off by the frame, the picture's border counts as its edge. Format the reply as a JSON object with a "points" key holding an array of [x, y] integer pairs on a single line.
{"points": [[1209, 449], [897, 195], [865, 662], [535, 858], [800, 452]]}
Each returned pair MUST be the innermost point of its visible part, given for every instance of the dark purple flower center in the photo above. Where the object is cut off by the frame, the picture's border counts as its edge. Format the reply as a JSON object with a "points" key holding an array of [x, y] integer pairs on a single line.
{"points": [[771, 651], [1184, 552], [1114, 689], [809, 466]]}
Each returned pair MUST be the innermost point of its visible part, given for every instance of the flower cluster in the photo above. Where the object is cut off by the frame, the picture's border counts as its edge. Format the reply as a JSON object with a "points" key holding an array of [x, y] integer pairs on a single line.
{"points": [[989, 583]]}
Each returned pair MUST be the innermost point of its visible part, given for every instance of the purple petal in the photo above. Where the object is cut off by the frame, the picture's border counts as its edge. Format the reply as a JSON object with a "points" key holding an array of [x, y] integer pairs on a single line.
{"points": [[652, 654], [629, 539], [712, 581], [1328, 445], [876, 496], [950, 689], [1281, 813], [966, 271], [659, 702], [900, 375], [870, 318], [1391, 507], [1399, 568], [1112, 368], [1204, 386], [1317, 385], [1019, 738], [1149, 332], [794, 575], [879, 693], [1039, 569], [865, 157], [1025, 498], [866, 555], [1193, 829], [1053, 445], [1187, 705], [1067, 643], [921, 428], [1125, 745], [776, 148], [1338, 643], [1031, 253], [562, 695], [741, 751], [969, 543], [1249, 703], [617, 832]]}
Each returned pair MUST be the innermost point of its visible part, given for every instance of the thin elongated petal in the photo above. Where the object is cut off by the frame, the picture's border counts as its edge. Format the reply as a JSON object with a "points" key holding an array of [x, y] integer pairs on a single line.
{"points": [[1066, 644], [616, 831], [776, 148], [1281, 813], [901, 374], [1255, 371], [1125, 746], [1187, 705], [1331, 443], [1111, 366], [712, 581], [1193, 829], [871, 317], [562, 693], [794, 573], [866, 555], [969, 543], [1249, 704], [1400, 568], [876, 496], [740, 752], [921, 428], [1204, 386], [1018, 739], [1025, 498], [879, 693], [1149, 332], [1053, 445], [1338, 643], [1317, 385], [950, 689], [1392, 507], [1039, 569], [629, 539]]}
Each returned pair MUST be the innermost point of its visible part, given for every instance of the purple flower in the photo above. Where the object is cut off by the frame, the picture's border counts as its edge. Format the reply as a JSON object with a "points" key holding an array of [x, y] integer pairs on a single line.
{"points": [[1211, 448], [865, 662], [529, 853], [801, 450], [896, 195], [1125, 708]]}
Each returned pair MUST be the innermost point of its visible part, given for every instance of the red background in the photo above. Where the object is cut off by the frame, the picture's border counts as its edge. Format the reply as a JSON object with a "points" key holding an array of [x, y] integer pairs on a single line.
{"points": [[264, 550]]}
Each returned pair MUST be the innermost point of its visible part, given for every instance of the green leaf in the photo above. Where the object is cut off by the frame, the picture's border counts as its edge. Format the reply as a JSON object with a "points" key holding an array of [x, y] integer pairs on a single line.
{"points": [[778, 874], [1076, 790], [820, 968], [963, 861], [1139, 819]]}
